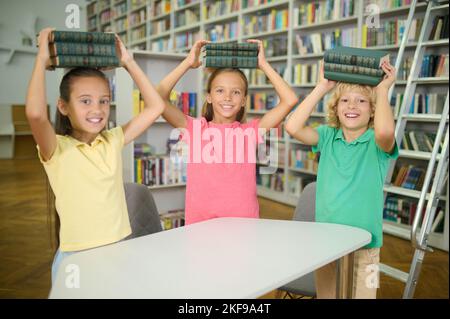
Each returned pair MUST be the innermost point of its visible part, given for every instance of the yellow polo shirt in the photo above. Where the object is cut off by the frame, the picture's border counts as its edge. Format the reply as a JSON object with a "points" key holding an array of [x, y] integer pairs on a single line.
{"points": [[88, 186]]}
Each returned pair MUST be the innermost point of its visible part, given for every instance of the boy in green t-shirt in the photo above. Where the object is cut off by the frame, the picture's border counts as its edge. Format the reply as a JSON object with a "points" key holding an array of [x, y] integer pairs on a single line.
{"points": [[355, 148]]}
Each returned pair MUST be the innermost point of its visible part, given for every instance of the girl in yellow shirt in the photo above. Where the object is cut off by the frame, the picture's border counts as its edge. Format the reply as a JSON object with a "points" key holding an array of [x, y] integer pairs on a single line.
{"points": [[81, 157]]}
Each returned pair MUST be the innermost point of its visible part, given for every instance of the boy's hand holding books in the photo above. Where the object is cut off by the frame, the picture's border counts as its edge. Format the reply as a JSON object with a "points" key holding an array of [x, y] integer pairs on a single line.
{"points": [[388, 79], [323, 83]]}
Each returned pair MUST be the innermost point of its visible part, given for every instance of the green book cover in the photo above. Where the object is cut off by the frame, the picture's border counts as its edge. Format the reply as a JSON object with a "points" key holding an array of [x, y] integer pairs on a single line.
{"points": [[73, 48], [345, 68], [356, 56], [245, 53], [231, 62], [352, 78], [66, 61], [232, 46], [83, 37]]}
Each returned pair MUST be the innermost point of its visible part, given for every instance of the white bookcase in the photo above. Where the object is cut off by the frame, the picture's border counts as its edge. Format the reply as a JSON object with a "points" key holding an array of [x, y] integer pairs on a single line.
{"points": [[156, 66], [292, 57]]}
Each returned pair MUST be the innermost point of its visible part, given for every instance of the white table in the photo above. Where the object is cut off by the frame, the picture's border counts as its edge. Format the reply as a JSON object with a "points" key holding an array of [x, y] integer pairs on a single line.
{"points": [[220, 258]]}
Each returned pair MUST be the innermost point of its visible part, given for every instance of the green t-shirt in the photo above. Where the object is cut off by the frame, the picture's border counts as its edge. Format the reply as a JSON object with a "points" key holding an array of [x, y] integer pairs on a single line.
{"points": [[350, 181]]}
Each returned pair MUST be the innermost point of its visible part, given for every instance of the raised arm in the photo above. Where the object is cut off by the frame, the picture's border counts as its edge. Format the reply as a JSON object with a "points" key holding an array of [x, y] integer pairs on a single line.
{"points": [[36, 101], [296, 124], [287, 96], [384, 125], [171, 113], [153, 103]]}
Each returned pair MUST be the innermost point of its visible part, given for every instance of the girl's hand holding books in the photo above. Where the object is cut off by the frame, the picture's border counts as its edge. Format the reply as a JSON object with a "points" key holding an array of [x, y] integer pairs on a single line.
{"points": [[42, 43], [261, 56], [122, 53], [193, 57], [323, 83], [388, 79]]}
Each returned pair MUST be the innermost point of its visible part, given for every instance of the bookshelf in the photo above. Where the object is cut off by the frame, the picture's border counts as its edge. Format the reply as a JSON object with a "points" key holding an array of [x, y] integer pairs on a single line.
{"points": [[170, 196], [217, 20]]}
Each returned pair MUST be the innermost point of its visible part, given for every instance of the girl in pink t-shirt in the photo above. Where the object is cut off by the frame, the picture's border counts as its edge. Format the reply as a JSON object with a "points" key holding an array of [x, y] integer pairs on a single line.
{"points": [[221, 169]]}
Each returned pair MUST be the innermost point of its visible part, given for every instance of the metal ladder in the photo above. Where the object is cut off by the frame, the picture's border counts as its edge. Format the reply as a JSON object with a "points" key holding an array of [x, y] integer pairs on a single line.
{"points": [[420, 240]]}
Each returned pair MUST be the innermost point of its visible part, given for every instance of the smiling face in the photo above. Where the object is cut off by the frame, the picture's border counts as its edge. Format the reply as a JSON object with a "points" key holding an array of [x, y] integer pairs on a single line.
{"points": [[227, 96], [88, 108], [354, 111]]}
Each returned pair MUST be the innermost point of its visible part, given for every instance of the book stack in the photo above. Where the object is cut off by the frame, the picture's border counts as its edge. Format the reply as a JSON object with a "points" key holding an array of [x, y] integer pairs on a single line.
{"points": [[83, 49], [172, 219], [231, 55], [354, 65]]}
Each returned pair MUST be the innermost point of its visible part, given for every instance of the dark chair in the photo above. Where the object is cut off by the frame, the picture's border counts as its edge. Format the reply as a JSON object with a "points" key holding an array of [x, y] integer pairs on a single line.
{"points": [[142, 211], [306, 212]]}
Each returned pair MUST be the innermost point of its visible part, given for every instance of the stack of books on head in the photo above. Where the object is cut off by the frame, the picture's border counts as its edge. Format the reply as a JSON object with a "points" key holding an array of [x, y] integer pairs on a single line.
{"points": [[83, 49], [231, 55], [354, 65]]}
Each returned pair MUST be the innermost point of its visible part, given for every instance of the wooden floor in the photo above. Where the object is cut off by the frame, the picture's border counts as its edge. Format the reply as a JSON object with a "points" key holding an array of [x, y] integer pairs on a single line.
{"points": [[26, 255]]}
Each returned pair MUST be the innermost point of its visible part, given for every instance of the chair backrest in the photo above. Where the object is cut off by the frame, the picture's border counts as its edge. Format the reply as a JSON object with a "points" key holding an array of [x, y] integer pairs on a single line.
{"points": [[6, 120], [142, 211], [306, 206]]}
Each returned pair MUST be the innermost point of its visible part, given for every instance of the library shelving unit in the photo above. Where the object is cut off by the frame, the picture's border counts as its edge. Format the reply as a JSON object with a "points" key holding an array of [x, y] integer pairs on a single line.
{"points": [[168, 197], [295, 34]]}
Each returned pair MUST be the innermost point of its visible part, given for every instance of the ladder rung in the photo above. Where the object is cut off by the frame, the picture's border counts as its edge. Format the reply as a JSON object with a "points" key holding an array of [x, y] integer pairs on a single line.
{"points": [[434, 43], [441, 7], [431, 80], [394, 273], [418, 155]]}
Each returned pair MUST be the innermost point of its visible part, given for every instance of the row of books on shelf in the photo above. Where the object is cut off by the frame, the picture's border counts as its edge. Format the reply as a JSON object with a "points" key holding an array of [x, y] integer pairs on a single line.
{"points": [[408, 176], [274, 182], [270, 21], [253, 3], [261, 101], [222, 32], [440, 28], [390, 33], [429, 103], [160, 26], [275, 46], [305, 73], [403, 211], [418, 141], [181, 3], [161, 7], [138, 17], [321, 11], [434, 66], [303, 159], [186, 40], [186, 17], [172, 219], [159, 170], [317, 43], [258, 77], [185, 101], [215, 9]]}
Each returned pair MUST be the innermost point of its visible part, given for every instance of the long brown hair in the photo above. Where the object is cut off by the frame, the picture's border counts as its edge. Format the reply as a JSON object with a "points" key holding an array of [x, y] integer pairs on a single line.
{"points": [[207, 109], [63, 127]]}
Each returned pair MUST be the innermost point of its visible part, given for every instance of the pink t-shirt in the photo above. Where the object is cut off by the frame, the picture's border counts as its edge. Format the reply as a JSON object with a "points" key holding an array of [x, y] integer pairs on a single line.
{"points": [[221, 171]]}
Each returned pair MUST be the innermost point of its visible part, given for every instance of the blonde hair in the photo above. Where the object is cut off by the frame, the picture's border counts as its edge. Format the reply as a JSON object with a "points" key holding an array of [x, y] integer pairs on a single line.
{"points": [[207, 109], [340, 88]]}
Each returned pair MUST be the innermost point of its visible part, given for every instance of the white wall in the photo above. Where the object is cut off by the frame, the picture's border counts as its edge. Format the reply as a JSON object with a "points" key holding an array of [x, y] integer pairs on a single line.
{"points": [[18, 14]]}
